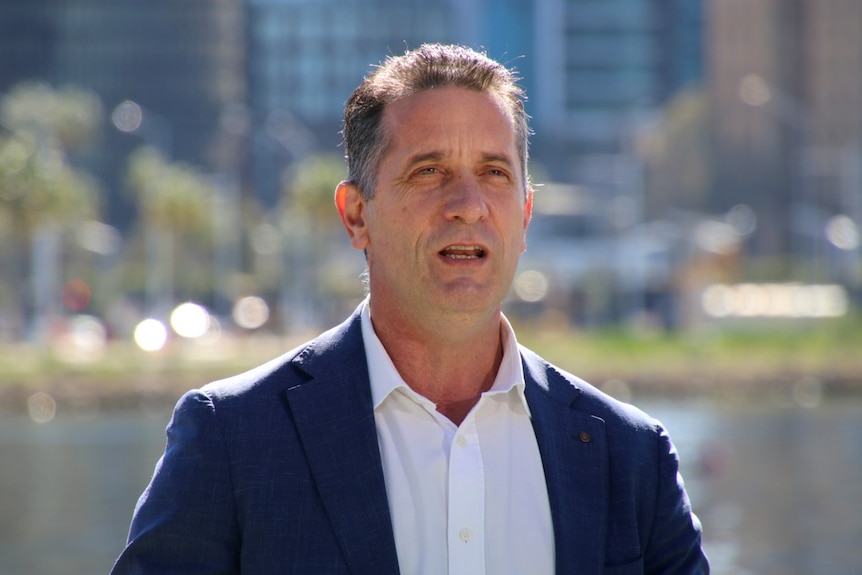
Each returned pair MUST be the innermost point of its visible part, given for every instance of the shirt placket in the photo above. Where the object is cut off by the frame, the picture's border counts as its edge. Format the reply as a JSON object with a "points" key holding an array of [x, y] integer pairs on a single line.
{"points": [[466, 517]]}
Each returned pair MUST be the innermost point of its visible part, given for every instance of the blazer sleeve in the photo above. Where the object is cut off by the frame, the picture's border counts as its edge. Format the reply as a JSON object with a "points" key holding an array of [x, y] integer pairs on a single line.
{"points": [[674, 544], [185, 521]]}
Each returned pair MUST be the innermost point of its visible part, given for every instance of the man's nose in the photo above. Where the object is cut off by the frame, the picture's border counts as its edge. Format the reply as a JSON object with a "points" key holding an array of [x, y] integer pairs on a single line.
{"points": [[465, 200]]}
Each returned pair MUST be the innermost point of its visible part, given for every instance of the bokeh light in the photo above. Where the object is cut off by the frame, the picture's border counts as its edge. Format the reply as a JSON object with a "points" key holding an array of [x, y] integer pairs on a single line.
{"points": [[754, 91], [742, 219], [190, 320], [76, 295], [88, 334], [151, 335], [266, 239], [842, 232], [807, 392], [775, 300], [531, 286], [41, 407], [127, 116], [213, 333], [99, 238], [250, 312], [717, 237]]}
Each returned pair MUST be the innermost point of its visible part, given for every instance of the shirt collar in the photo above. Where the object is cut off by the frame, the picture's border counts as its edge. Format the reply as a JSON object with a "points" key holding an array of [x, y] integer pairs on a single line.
{"points": [[385, 377]]}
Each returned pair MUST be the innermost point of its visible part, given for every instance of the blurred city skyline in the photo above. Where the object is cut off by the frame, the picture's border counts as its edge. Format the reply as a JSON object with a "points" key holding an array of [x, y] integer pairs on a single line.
{"points": [[248, 87], [677, 143]]}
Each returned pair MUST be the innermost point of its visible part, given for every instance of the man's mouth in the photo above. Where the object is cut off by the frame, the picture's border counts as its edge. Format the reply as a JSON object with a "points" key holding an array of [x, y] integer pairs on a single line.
{"points": [[463, 252]]}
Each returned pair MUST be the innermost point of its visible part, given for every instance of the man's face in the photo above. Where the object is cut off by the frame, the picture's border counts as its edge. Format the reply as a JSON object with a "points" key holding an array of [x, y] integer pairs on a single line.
{"points": [[447, 221]]}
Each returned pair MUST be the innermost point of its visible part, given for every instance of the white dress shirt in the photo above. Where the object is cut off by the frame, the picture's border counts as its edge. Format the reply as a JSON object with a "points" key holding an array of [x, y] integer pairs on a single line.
{"points": [[468, 499]]}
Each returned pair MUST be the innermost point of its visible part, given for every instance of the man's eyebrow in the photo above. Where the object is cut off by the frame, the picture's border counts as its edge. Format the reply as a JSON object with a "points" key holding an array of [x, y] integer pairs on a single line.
{"points": [[437, 156], [498, 158], [434, 156]]}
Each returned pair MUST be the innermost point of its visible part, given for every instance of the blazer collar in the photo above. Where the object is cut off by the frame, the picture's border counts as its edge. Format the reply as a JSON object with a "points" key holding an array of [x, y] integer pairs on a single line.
{"points": [[335, 422], [573, 447]]}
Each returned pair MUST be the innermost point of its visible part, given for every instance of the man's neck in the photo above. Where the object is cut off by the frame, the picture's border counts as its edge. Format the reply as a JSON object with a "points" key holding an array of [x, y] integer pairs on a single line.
{"points": [[451, 365]]}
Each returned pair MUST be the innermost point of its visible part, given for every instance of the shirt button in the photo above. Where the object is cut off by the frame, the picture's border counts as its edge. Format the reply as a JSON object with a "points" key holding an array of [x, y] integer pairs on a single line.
{"points": [[465, 535], [461, 441]]}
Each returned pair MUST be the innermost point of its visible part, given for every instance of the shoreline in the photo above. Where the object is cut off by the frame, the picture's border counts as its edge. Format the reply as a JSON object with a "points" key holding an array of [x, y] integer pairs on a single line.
{"points": [[160, 391], [771, 367]]}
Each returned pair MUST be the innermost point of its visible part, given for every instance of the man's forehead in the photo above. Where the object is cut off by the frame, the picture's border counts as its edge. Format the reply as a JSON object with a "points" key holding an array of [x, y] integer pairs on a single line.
{"points": [[439, 92], [421, 110]]}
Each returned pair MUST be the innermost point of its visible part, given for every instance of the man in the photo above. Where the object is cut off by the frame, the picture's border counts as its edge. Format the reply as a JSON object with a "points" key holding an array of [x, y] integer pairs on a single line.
{"points": [[418, 437]]}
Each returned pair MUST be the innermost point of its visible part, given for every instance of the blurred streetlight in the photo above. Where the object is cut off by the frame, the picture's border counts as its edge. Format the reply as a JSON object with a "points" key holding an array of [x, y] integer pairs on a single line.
{"points": [[190, 320], [842, 232], [250, 312], [151, 335]]}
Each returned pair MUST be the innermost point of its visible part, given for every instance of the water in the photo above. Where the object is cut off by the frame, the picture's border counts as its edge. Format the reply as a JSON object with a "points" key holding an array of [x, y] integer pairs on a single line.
{"points": [[778, 488], [68, 488]]}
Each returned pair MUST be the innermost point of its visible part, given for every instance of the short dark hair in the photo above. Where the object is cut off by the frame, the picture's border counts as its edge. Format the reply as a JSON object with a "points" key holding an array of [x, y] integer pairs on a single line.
{"points": [[429, 66]]}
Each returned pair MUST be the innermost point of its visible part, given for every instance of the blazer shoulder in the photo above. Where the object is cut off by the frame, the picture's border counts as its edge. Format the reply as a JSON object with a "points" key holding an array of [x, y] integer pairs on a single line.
{"points": [[581, 395], [277, 371], [291, 368]]}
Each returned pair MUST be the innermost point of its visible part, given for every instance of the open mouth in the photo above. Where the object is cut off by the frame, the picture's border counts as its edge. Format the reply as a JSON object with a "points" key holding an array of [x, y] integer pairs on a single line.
{"points": [[463, 252]]}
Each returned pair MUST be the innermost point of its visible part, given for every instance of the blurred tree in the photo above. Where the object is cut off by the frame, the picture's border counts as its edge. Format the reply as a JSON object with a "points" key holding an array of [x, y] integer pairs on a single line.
{"points": [[41, 194], [173, 200], [309, 188], [171, 195], [69, 114], [38, 186], [308, 222], [678, 156]]}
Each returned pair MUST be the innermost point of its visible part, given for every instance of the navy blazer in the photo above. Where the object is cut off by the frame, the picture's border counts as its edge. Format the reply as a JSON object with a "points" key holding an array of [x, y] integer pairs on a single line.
{"points": [[278, 471]]}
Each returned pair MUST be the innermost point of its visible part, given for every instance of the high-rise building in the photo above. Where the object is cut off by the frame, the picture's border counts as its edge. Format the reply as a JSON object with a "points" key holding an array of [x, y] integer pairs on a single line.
{"points": [[681, 47], [182, 61], [304, 59], [784, 87], [832, 64], [601, 66], [592, 68]]}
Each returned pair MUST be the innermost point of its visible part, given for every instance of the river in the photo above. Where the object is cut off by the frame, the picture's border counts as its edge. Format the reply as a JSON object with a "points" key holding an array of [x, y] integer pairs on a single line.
{"points": [[778, 487]]}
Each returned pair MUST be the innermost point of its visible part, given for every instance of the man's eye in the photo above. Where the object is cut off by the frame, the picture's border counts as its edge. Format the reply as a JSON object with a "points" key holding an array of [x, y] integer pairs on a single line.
{"points": [[427, 171]]}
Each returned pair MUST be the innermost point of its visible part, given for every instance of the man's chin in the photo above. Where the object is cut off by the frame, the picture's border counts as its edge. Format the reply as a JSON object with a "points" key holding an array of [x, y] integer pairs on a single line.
{"points": [[468, 297]]}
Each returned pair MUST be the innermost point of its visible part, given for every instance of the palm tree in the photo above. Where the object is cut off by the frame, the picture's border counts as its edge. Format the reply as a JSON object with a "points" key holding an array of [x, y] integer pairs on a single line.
{"points": [[41, 194], [172, 200], [309, 223]]}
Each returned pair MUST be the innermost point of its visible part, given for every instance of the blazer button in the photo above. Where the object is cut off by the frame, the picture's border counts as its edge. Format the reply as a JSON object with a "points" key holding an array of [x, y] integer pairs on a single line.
{"points": [[585, 437]]}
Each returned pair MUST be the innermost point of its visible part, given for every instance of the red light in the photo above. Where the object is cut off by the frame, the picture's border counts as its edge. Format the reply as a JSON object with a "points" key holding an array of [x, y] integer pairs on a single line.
{"points": [[76, 295]]}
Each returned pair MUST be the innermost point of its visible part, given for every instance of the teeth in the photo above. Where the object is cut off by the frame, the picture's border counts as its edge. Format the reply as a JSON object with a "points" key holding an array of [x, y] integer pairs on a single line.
{"points": [[462, 252]]}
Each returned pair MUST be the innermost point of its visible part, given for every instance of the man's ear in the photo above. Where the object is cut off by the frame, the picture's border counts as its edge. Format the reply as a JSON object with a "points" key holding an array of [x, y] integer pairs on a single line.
{"points": [[351, 207], [528, 215]]}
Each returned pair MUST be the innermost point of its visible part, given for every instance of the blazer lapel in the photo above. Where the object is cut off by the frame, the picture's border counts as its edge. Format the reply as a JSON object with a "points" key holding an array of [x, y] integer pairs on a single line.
{"points": [[335, 421], [574, 454]]}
